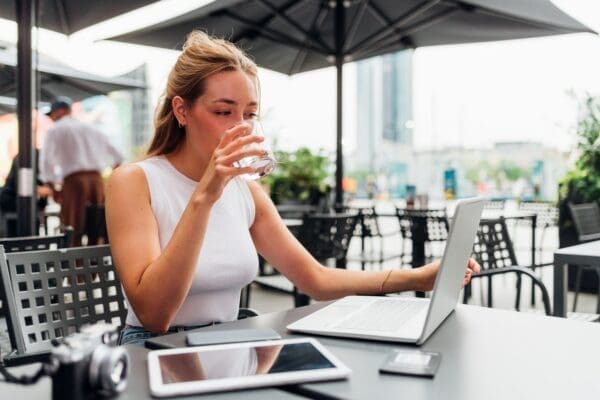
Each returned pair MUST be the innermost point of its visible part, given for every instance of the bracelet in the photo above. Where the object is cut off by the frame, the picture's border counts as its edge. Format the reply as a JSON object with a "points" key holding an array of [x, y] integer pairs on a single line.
{"points": [[384, 281]]}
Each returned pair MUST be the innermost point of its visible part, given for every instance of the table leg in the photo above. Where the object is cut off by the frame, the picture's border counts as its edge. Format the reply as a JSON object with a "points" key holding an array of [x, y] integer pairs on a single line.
{"points": [[560, 288], [533, 261], [419, 235]]}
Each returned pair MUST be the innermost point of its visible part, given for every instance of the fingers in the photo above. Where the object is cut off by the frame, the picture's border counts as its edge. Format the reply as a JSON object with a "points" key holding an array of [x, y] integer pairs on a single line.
{"points": [[240, 154], [233, 133], [473, 266], [241, 141]]}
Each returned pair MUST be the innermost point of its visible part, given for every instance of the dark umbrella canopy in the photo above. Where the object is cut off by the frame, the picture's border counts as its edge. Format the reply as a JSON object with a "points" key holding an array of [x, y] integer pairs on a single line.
{"points": [[296, 36], [68, 16], [292, 36], [57, 79]]}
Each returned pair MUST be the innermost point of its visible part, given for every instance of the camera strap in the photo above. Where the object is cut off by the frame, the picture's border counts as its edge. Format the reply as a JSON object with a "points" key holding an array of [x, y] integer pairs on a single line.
{"points": [[46, 369]]}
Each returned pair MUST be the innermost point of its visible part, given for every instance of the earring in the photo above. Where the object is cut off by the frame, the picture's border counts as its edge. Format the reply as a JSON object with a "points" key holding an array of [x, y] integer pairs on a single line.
{"points": [[180, 124]]}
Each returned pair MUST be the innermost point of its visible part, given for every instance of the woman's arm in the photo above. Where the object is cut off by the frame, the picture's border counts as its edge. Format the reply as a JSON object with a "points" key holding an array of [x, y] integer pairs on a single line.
{"points": [[282, 250], [156, 283]]}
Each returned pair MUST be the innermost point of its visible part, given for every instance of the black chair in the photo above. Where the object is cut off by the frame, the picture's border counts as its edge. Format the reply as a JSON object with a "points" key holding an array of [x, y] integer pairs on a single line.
{"points": [[586, 218], [494, 251], [326, 237], [547, 218], [32, 243], [94, 227], [426, 230], [53, 293], [370, 233]]}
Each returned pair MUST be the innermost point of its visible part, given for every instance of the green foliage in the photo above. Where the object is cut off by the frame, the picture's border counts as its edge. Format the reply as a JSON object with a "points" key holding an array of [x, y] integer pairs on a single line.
{"points": [[300, 176], [582, 182]]}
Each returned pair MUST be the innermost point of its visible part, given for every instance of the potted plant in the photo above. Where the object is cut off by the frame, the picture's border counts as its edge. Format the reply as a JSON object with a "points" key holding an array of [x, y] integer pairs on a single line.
{"points": [[300, 177], [582, 183]]}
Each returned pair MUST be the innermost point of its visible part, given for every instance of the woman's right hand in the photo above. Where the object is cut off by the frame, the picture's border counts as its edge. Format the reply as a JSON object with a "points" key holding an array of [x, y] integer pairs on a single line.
{"points": [[220, 169]]}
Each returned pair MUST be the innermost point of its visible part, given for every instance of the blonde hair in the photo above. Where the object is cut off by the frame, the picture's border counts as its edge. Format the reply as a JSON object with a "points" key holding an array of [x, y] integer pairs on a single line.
{"points": [[202, 57]]}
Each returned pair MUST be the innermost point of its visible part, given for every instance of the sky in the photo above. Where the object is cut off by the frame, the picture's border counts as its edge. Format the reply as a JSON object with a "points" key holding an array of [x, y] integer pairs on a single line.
{"points": [[468, 95]]}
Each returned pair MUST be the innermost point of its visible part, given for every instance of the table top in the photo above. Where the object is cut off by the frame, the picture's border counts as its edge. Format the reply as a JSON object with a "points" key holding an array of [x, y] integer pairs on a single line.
{"points": [[137, 385], [486, 353], [585, 249]]}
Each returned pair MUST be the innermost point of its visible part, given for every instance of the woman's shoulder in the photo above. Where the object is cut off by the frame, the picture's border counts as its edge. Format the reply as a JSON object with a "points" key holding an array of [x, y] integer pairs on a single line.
{"points": [[129, 175]]}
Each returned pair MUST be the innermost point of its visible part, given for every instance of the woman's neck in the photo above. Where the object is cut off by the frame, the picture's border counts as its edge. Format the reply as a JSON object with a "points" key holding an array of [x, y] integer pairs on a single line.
{"points": [[189, 163]]}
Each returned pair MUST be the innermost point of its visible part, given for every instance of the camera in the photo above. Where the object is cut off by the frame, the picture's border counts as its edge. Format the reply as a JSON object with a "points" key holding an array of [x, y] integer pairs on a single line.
{"points": [[89, 364]]}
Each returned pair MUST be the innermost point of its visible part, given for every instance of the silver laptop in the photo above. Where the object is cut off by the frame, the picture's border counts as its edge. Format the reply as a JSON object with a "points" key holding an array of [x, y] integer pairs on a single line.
{"points": [[404, 319]]}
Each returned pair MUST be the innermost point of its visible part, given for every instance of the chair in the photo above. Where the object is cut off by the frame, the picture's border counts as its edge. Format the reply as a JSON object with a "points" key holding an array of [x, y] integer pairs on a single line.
{"points": [[369, 229], [586, 218], [53, 293], [424, 228], [496, 205], [494, 251], [94, 227], [326, 237], [29, 243], [547, 218]]}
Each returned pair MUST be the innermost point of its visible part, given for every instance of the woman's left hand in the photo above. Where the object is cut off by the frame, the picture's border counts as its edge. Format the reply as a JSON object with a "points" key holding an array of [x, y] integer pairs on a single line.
{"points": [[427, 274]]}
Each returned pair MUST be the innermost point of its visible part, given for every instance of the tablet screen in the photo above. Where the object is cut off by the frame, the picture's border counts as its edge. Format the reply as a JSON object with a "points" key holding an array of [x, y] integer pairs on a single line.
{"points": [[205, 364], [233, 366]]}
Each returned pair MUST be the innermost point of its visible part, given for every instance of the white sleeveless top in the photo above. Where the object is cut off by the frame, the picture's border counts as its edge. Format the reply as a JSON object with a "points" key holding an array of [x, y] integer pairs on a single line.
{"points": [[228, 260]]}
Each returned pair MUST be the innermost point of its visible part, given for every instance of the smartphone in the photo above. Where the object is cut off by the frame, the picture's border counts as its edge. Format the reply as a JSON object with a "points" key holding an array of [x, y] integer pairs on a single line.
{"points": [[204, 338]]}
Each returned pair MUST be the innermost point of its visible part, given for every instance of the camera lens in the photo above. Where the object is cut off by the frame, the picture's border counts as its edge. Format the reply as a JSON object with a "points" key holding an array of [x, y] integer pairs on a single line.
{"points": [[109, 368]]}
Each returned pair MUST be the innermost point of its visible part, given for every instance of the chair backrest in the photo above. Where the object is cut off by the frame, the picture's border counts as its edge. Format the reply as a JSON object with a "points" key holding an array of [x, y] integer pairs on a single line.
{"points": [[586, 217], [494, 205], [295, 211], [435, 220], [493, 247], [95, 224], [32, 243], [53, 293], [327, 236], [547, 213]]}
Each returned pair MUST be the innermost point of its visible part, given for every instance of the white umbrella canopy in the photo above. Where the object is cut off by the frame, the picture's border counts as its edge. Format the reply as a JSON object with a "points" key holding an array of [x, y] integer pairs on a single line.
{"points": [[292, 36]]}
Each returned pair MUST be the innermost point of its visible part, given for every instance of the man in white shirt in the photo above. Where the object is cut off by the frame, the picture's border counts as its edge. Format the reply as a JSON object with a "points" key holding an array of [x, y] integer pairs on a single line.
{"points": [[74, 154]]}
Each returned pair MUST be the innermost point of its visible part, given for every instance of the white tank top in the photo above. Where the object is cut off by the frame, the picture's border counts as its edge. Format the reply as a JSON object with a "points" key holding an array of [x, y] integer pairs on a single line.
{"points": [[228, 260]]}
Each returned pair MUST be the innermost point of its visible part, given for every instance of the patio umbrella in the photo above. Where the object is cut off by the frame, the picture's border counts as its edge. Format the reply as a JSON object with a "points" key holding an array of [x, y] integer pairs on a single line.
{"points": [[57, 79], [64, 16], [293, 36], [69, 16]]}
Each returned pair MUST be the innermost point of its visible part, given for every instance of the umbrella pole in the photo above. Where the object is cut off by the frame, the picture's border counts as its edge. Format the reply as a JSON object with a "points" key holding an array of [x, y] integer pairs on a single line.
{"points": [[339, 64], [26, 177]]}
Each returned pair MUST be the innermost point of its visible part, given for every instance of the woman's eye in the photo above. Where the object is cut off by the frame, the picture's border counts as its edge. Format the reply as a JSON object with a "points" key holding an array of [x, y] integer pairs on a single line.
{"points": [[223, 112], [251, 116]]}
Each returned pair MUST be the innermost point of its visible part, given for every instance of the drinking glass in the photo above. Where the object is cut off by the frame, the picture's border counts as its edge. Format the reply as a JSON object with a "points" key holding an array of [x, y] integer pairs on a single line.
{"points": [[263, 165]]}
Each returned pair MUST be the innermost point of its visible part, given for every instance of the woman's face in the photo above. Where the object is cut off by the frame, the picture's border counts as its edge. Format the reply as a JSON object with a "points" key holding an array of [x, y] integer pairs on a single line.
{"points": [[229, 98]]}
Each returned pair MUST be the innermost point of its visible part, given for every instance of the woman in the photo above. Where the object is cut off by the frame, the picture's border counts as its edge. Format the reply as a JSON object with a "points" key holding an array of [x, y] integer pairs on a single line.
{"points": [[185, 226]]}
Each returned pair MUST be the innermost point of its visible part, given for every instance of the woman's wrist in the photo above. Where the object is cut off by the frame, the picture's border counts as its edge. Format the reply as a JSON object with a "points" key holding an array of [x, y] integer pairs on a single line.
{"points": [[402, 280]]}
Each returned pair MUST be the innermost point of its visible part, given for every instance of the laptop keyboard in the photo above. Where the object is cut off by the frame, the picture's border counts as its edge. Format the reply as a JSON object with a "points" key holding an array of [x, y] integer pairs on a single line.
{"points": [[383, 315]]}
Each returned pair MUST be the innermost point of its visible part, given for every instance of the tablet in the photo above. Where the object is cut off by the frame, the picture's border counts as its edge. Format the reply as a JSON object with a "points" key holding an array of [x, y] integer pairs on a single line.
{"points": [[234, 366]]}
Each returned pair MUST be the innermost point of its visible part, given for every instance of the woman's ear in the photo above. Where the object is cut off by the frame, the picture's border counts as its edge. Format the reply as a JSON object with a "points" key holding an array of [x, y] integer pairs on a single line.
{"points": [[179, 109]]}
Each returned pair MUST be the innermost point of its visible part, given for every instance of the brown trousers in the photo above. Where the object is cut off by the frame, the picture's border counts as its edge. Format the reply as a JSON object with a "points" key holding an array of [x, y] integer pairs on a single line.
{"points": [[79, 189]]}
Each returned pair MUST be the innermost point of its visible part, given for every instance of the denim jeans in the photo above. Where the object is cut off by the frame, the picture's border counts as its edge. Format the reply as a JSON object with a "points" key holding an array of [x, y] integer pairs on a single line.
{"points": [[138, 335], [135, 335]]}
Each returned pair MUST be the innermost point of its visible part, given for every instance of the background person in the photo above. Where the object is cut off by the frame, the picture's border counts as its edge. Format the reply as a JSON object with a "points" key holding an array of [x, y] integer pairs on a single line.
{"points": [[185, 227], [74, 153], [8, 196]]}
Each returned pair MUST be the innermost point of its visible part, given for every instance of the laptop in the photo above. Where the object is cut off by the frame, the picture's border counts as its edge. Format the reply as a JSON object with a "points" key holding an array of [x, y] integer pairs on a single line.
{"points": [[404, 319]]}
